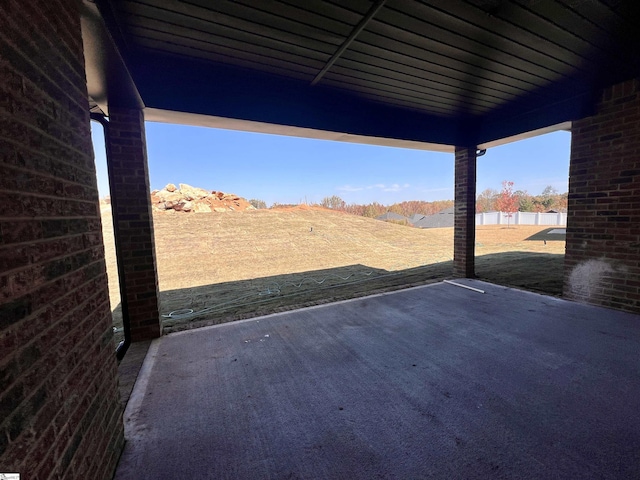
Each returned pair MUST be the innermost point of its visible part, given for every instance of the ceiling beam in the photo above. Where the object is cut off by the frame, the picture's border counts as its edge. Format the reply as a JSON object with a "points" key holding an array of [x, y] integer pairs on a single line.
{"points": [[108, 79], [356, 31]]}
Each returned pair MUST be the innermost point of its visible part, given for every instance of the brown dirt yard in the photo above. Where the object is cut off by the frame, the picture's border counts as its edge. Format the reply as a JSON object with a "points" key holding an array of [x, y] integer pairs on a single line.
{"points": [[232, 265]]}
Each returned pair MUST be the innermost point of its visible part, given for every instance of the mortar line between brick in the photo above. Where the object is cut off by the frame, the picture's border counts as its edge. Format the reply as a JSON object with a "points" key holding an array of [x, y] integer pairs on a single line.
{"points": [[28, 59], [43, 175], [31, 127]]}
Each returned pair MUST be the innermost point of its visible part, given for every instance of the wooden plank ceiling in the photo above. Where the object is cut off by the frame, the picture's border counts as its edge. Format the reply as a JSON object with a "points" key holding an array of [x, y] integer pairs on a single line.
{"points": [[453, 59]]}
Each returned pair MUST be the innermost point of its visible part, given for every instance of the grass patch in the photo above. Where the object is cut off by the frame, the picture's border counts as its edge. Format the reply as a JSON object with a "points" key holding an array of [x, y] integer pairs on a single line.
{"points": [[538, 272], [238, 265]]}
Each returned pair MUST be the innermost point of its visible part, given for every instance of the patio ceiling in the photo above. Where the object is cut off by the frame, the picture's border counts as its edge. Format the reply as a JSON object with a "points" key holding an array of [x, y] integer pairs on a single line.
{"points": [[433, 71]]}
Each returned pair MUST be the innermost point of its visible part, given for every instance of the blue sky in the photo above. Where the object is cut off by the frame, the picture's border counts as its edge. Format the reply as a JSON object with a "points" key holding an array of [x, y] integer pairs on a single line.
{"points": [[294, 170]]}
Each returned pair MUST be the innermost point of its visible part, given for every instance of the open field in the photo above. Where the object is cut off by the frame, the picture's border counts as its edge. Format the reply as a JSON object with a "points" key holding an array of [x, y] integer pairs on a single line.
{"points": [[239, 264]]}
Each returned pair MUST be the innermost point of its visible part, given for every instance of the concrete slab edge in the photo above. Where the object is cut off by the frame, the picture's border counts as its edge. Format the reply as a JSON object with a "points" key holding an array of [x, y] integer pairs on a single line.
{"points": [[140, 387], [483, 284], [314, 307]]}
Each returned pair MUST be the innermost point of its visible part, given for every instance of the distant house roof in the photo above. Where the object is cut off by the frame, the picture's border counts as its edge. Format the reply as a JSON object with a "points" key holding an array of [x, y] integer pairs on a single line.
{"points": [[441, 219], [391, 216], [416, 217]]}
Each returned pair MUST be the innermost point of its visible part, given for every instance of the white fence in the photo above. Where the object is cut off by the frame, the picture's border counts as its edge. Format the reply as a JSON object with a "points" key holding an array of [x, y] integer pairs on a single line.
{"points": [[521, 218]]}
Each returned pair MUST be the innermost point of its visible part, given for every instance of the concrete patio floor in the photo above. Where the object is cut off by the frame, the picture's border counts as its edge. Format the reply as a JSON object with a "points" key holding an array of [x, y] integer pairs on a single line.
{"points": [[431, 382]]}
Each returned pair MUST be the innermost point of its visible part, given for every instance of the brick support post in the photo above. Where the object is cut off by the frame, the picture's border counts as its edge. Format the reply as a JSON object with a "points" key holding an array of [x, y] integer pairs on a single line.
{"points": [[602, 261], [133, 222], [60, 412], [465, 212]]}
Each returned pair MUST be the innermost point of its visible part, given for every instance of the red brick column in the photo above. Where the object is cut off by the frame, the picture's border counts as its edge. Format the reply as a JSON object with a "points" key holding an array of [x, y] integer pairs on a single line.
{"points": [[133, 222], [60, 413], [602, 261], [465, 212]]}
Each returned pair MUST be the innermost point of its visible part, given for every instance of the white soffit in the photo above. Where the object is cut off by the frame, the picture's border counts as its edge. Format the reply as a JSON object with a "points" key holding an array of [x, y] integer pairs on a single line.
{"points": [[526, 135]]}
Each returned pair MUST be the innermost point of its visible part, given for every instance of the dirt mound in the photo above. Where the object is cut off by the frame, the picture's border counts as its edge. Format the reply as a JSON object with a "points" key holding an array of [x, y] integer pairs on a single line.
{"points": [[192, 199]]}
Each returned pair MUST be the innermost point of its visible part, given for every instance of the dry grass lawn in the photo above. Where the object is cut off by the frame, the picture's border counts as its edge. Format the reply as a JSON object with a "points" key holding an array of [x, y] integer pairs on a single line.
{"points": [[239, 264]]}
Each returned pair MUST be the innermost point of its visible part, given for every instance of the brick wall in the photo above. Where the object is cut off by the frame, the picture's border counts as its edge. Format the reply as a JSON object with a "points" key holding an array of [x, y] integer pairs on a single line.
{"points": [[133, 222], [59, 408], [465, 213], [602, 262]]}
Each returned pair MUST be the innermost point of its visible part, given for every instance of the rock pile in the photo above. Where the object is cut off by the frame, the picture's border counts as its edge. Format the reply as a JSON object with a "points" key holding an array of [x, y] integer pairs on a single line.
{"points": [[191, 199]]}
